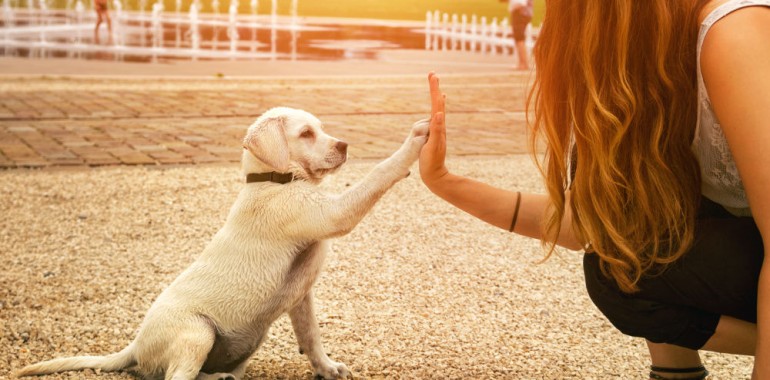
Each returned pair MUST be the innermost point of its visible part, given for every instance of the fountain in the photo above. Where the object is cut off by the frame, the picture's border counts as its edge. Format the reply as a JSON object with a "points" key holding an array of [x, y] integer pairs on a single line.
{"points": [[156, 29], [143, 35], [8, 22], [294, 27], [463, 31], [143, 31], [44, 15], [79, 11], [254, 25], [428, 31], [273, 27], [7, 14], [232, 29], [67, 7], [117, 29], [215, 9], [195, 36], [157, 26], [178, 22], [505, 35], [444, 31], [31, 12], [493, 36], [483, 34], [455, 34], [117, 23], [436, 30], [474, 39]]}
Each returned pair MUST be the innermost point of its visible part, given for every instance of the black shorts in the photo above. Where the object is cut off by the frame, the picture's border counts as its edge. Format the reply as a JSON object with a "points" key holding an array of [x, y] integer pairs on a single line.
{"points": [[681, 306], [519, 21]]}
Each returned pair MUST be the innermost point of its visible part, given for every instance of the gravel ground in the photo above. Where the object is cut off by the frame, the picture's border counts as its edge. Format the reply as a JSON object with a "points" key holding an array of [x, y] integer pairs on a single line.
{"points": [[417, 290]]}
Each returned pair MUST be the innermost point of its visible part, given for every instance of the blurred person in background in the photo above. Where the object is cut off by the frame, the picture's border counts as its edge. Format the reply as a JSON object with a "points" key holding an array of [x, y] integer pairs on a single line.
{"points": [[102, 14], [521, 14]]}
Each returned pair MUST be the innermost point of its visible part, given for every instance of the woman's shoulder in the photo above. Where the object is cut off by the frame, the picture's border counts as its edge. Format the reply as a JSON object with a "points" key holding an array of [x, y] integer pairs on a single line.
{"points": [[723, 8], [708, 8], [736, 28]]}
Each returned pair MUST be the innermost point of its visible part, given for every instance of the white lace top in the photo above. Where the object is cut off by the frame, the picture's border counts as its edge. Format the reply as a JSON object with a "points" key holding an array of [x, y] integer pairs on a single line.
{"points": [[721, 181]]}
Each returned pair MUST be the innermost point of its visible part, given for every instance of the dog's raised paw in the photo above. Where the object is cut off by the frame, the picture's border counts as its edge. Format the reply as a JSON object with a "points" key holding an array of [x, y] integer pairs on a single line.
{"points": [[421, 128]]}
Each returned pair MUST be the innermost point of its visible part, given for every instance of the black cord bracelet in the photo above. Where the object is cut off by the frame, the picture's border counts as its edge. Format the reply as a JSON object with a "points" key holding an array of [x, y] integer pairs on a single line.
{"points": [[516, 211]]}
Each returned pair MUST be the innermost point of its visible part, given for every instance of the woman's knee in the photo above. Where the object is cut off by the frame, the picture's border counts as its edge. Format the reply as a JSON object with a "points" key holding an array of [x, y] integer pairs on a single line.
{"points": [[655, 321]]}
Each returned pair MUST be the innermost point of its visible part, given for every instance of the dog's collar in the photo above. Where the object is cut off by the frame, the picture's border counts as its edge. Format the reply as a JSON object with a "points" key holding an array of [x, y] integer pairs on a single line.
{"points": [[271, 177]]}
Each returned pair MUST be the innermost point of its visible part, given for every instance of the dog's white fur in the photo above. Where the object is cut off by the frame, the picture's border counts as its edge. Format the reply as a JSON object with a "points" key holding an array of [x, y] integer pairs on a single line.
{"points": [[261, 264]]}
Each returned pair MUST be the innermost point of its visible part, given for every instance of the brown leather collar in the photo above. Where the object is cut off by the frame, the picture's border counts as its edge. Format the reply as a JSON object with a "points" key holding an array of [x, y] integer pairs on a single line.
{"points": [[270, 177]]}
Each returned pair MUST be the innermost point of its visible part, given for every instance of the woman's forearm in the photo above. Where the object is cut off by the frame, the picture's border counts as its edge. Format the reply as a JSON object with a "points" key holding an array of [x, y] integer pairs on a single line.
{"points": [[497, 206]]}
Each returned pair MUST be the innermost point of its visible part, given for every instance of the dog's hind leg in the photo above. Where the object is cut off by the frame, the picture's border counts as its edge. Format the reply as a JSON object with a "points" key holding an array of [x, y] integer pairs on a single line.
{"points": [[309, 338], [189, 349]]}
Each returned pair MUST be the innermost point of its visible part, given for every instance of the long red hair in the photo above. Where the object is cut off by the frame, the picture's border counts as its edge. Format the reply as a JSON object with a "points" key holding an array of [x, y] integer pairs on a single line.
{"points": [[616, 80]]}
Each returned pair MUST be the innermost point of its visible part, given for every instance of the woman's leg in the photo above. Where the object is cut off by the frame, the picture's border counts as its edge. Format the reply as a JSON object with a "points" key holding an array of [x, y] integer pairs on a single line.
{"points": [[109, 27], [96, 28], [519, 26], [672, 356], [733, 336], [706, 300]]}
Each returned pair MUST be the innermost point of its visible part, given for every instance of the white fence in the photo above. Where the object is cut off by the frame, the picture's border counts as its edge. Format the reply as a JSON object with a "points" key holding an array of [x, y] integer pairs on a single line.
{"points": [[474, 34]]}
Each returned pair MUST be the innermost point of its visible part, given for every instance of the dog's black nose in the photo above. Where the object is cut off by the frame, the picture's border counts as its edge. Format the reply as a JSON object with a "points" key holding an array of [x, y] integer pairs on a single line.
{"points": [[342, 147]]}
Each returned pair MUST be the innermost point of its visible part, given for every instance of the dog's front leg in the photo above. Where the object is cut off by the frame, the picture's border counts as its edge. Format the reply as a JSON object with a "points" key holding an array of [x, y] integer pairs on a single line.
{"points": [[347, 209], [309, 338], [327, 216]]}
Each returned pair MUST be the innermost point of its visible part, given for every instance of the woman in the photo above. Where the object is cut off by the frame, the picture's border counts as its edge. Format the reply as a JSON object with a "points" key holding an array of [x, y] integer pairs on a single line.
{"points": [[656, 119], [520, 15], [102, 14]]}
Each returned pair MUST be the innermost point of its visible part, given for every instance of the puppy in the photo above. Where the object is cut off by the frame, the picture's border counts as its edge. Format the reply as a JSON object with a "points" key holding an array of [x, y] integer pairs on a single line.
{"points": [[261, 264]]}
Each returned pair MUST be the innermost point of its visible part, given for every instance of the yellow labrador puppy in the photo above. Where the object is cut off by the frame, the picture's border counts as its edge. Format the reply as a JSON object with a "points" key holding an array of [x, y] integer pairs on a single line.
{"points": [[262, 263]]}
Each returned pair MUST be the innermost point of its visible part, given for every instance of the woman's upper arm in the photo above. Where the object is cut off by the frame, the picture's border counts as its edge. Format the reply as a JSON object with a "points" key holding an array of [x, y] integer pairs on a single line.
{"points": [[736, 70], [735, 61]]}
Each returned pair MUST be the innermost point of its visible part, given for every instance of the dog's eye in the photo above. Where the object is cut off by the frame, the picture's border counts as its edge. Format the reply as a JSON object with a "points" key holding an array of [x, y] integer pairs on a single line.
{"points": [[306, 134]]}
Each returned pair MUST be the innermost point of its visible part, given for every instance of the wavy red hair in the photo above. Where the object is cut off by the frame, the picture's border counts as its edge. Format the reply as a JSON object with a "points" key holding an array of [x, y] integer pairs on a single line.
{"points": [[616, 79]]}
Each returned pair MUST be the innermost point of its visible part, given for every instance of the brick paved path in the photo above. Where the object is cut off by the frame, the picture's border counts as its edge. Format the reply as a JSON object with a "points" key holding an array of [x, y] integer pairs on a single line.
{"points": [[57, 122]]}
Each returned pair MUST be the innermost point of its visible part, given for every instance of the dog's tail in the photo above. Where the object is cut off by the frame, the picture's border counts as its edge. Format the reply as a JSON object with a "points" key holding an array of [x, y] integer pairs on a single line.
{"points": [[114, 362]]}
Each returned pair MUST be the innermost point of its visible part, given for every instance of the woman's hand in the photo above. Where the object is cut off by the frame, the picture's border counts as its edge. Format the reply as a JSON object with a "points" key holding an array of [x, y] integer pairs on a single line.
{"points": [[432, 167]]}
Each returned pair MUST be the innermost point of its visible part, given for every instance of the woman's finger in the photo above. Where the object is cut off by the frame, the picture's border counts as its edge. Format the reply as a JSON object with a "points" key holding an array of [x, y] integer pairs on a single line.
{"points": [[438, 131], [436, 97]]}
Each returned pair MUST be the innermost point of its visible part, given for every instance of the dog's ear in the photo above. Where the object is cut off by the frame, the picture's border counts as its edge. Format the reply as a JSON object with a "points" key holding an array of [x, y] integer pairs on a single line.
{"points": [[266, 140]]}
